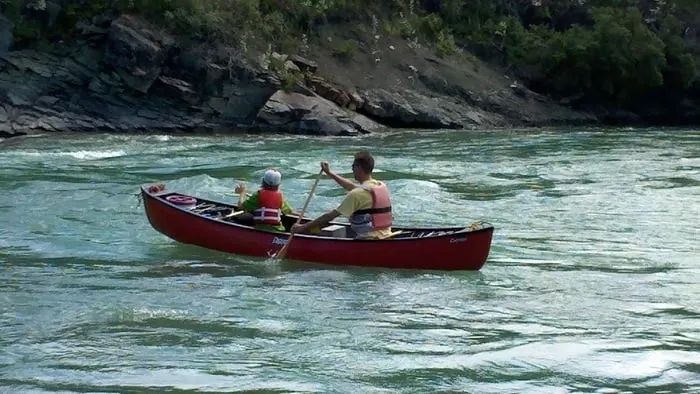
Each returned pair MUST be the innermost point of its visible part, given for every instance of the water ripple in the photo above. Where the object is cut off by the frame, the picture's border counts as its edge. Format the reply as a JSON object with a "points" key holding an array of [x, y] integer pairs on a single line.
{"points": [[591, 284]]}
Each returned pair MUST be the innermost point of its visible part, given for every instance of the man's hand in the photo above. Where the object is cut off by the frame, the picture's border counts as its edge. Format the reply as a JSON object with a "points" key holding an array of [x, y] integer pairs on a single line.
{"points": [[241, 188], [298, 228], [326, 168]]}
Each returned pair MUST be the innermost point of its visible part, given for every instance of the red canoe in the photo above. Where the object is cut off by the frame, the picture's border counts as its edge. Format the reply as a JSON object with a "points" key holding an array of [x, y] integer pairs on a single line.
{"points": [[210, 224]]}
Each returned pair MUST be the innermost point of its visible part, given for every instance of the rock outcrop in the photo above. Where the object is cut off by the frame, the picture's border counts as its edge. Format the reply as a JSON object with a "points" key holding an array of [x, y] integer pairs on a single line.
{"points": [[132, 77], [125, 74], [296, 112], [136, 52]]}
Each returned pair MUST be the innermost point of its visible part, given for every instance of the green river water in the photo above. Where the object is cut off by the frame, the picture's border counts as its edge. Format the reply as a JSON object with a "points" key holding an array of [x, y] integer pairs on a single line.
{"points": [[592, 284]]}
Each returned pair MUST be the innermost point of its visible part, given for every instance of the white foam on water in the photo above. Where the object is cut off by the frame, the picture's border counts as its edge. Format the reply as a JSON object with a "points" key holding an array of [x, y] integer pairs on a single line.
{"points": [[80, 155], [96, 155], [162, 138]]}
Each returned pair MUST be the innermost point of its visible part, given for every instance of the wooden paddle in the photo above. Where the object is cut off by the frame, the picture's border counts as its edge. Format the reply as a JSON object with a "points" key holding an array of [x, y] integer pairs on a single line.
{"points": [[283, 252]]}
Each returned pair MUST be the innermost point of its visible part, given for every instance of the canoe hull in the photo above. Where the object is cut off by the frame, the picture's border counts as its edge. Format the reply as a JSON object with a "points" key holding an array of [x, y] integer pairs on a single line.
{"points": [[460, 250]]}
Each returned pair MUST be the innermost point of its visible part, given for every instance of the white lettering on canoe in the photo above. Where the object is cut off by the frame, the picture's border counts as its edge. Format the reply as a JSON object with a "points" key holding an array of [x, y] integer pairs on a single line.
{"points": [[279, 241], [457, 240]]}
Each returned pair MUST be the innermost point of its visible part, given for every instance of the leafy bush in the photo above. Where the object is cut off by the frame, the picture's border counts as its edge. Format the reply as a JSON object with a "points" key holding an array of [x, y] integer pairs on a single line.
{"points": [[445, 44], [614, 60], [346, 50], [616, 51]]}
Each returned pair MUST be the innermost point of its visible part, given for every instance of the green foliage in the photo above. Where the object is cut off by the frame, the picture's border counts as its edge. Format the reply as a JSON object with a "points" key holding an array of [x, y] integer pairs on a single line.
{"points": [[25, 30], [289, 77], [346, 50], [680, 72], [629, 57], [429, 28], [218, 20], [617, 59], [445, 44], [618, 51], [290, 80]]}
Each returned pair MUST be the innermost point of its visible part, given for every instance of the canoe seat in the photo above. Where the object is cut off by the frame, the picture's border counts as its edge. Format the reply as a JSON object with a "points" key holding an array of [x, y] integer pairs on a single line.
{"points": [[393, 234], [232, 214], [427, 234], [389, 236], [201, 208], [335, 231]]}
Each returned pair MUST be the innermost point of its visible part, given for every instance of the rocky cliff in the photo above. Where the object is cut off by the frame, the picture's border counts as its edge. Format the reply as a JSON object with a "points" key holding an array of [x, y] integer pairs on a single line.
{"points": [[124, 74]]}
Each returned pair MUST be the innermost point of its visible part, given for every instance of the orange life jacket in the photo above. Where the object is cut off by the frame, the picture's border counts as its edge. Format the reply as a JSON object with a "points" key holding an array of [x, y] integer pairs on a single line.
{"points": [[376, 218], [269, 209]]}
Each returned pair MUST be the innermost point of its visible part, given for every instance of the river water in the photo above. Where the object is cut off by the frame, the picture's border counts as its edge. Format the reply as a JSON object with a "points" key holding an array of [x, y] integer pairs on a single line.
{"points": [[592, 284]]}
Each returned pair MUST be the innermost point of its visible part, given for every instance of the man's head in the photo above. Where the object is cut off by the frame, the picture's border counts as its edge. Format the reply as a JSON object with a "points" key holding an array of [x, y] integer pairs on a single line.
{"points": [[362, 166], [271, 179]]}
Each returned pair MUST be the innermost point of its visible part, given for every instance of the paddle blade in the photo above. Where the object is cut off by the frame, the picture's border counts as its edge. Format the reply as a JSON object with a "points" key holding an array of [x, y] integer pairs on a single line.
{"points": [[282, 253]]}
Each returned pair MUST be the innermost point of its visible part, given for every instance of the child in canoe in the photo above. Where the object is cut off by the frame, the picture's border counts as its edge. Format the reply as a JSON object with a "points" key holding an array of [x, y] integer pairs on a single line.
{"points": [[264, 209]]}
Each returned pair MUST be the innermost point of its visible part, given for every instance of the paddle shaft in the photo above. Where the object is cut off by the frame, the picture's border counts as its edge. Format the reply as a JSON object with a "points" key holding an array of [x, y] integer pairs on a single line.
{"points": [[283, 252]]}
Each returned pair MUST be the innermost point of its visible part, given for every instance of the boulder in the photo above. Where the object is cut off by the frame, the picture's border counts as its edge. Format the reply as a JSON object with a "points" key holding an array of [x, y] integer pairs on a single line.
{"points": [[304, 64], [331, 92], [408, 108], [311, 115], [177, 88], [245, 99], [137, 51]]}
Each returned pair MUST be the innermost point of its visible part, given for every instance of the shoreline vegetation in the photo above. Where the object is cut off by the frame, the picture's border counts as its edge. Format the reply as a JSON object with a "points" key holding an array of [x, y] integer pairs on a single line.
{"points": [[346, 67]]}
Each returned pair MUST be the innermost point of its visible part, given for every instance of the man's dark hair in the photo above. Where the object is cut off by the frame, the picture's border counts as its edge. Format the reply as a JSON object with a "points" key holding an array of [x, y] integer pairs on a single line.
{"points": [[365, 161]]}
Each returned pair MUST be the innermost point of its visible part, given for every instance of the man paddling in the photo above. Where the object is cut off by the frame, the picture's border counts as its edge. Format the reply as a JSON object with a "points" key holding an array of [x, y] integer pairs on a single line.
{"points": [[367, 205]]}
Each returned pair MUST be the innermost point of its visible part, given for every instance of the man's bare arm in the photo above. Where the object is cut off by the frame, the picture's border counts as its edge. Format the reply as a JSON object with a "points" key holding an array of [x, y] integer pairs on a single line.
{"points": [[320, 221]]}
